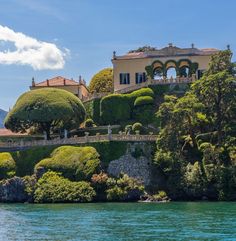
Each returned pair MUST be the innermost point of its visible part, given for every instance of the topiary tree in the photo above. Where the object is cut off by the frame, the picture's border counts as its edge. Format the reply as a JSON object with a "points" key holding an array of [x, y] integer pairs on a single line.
{"points": [[7, 165], [102, 81], [137, 127], [143, 100], [115, 108], [45, 109], [75, 163]]}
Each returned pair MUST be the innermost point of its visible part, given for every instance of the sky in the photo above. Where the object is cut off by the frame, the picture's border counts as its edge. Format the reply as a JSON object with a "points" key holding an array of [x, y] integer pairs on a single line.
{"points": [[47, 38]]}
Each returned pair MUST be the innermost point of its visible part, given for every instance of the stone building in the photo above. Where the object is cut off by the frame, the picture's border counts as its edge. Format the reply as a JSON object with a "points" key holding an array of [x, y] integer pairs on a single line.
{"points": [[167, 65], [77, 88]]}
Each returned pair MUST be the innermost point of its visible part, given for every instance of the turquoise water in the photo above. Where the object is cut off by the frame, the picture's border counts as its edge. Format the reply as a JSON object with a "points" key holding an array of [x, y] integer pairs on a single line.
{"points": [[118, 221]]}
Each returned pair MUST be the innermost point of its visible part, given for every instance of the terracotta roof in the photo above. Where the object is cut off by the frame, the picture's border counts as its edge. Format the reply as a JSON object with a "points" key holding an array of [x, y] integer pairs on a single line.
{"points": [[6, 132], [169, 51], [57, 81]]}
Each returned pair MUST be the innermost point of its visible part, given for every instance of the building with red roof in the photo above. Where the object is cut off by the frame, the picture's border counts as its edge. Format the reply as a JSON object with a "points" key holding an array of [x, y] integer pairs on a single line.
{"points": [[78, 88]]}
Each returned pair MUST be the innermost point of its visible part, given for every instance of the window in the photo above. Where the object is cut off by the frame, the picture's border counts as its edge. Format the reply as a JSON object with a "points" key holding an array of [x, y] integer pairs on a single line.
{"points": [[140, 78], [124, 79]]}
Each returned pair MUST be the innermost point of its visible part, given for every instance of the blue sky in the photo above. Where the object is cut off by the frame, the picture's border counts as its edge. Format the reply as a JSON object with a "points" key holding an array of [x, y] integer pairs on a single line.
{"points": [[82, 34]]}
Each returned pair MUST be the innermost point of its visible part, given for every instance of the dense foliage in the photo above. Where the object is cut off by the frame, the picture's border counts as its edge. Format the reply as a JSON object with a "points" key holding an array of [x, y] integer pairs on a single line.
{"points": [[93, 109], [45, 109], [145, 48], [116, 108], [124, 189], [143, 100], [53, 188], [7, 165], [75, 163], [196, 144], [102, 81]]}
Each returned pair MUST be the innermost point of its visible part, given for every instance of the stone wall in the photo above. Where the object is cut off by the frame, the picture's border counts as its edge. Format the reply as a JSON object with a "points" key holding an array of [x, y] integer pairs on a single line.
{"points": [[136, 162]]}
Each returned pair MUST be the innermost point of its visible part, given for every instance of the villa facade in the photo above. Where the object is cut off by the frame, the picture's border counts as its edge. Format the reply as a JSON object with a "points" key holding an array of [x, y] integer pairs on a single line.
{"points": [[77, 88], [167, 65]]}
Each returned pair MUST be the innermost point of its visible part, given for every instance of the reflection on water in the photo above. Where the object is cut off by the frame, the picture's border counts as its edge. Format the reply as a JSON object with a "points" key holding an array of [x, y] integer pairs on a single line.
{"points": [[118, 221]]}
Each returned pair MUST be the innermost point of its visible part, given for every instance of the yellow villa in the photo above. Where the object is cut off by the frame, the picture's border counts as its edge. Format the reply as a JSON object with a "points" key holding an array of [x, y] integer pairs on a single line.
{"points": [[77, 88], [167, 65]]}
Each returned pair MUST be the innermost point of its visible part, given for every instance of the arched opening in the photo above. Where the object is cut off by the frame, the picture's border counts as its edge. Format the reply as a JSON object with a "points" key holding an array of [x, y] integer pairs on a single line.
{"points": [[158, 73], [184, 71], [171, 73]]}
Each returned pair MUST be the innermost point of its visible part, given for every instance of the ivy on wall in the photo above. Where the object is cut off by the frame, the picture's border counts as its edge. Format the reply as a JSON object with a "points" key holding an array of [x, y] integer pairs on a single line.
{"points": [[176, 64]]}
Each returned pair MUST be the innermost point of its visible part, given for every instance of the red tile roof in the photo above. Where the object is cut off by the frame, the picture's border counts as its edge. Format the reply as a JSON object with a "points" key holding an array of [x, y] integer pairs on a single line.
{"points": [[57, 81], [6, 132]]}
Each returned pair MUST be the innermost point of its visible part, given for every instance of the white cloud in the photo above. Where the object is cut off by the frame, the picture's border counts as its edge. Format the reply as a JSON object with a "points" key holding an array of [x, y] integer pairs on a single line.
{"points": [[30, 51]]}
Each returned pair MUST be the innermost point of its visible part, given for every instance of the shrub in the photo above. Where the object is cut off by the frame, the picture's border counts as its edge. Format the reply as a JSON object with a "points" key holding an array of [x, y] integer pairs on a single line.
{"points": [[99, 183], [137, 127], [75, 163], [7, 165], [160, 196], [53, 188], [115, 108], [143, 100], [124, 189], [144, 114], [141, 92], [89, 123], [102, 81], [27, 159], [93, 109]]}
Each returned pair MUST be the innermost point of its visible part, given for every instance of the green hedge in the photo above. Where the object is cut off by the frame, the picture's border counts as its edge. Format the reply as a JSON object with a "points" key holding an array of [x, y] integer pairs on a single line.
{"points": [[143, 100], [27, 159], [115, 108], [7, 165], [93, 109], [53, 188], [75, 163]]}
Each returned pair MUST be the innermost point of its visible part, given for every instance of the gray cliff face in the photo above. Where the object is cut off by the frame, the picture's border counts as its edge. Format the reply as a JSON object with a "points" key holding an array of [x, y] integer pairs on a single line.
{"points": [[136, 163], [137, 168]]}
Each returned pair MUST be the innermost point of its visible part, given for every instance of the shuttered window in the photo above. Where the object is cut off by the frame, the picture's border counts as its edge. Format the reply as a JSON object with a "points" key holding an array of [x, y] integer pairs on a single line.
{"points": [[124, 78], [140, 77]]}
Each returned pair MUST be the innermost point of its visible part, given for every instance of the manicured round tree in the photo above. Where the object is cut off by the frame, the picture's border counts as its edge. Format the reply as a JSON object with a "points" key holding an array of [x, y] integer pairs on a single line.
{"points": [[46, 109], [102, 81]]}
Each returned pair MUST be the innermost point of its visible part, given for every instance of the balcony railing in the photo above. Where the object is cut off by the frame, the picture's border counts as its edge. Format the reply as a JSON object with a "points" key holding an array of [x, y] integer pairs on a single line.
{"points": [[80, 140], [162, 81]]}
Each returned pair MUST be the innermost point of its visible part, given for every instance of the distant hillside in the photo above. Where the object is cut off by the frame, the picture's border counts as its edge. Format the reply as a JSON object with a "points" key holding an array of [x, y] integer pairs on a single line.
{"points": [[3, 114]]}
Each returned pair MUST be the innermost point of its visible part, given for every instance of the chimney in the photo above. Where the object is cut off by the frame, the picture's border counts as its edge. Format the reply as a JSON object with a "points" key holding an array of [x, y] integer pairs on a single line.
{"points": [[64, 82], [170, 44], [114, 54], [228, 47], [33, 82], [47, 82], [192, 45], [80, 79]]}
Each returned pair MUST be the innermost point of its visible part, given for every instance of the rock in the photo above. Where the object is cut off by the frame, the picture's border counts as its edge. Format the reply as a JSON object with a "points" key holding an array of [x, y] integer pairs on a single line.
{"points": [[14, 190]]}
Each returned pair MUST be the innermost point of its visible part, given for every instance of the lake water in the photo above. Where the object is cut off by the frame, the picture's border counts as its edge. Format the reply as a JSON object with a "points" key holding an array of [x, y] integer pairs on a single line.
{"points": [[119, 221]]}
